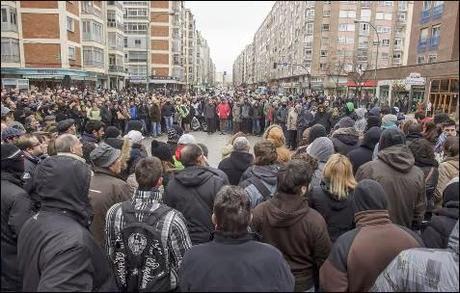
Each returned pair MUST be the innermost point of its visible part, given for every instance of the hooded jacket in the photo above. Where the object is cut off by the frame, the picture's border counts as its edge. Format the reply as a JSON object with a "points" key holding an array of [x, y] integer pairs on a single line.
{"points": [[16, 209], [268, 175], [235, 165], [359, 255], [155, 112], [436, 235], [299, 232], [345, 140], [402, 181], [192, 191], [422, 270], [274, 133], [106, 189], [447, 171], [363, 154], [338, 214], [56, 250], [320, 149]]}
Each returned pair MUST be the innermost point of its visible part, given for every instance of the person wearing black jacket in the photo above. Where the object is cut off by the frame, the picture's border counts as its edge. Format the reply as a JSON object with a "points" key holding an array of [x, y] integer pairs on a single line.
{"points": [[240, 159], [436, 235], [363, 153], [16, 209], [234, 260], [56, 251], [192, 191]]}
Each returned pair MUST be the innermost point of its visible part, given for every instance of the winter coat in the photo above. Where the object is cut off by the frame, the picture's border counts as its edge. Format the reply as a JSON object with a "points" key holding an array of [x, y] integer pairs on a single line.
{"points": [[235, 165], [447, 171], [345, 140], [258, 111], [317, 175], [16, 209], [223, 110], [268, 175], [143, 111], [323, 118], [246, 111], [274, 133], [359, 255], [192, 192], [236, 113], [89, 142], [422, 270], [167, 110], [363, 154], [209, 111], [403, 182], [292, 120], [281, 115], [155, 113], [106, 115], [30, 163], [106, 189], [338, 214], [56, 250], [239, 264], [299, 232]]}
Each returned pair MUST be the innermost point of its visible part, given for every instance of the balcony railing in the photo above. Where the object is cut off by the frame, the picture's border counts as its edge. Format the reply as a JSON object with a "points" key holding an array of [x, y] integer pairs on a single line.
{"points": [[115, 24], [91, 10], [116, 68], [10, 58], [9, 27], [422, 45], [116, 4], [437, 11], [425, 16], [434, 42]]}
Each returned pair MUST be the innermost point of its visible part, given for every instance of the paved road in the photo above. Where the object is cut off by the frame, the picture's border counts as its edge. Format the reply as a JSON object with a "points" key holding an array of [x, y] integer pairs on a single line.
{"points": [[214, 142]]}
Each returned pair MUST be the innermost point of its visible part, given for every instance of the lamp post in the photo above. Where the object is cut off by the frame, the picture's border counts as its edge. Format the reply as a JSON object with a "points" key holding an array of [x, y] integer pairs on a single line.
{"points": [[147, 41], [377, 55]]}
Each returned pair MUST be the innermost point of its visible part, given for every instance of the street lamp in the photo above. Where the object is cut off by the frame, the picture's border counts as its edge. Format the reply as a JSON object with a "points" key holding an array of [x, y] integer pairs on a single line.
{"points": [[147, 47], [376, 56]]}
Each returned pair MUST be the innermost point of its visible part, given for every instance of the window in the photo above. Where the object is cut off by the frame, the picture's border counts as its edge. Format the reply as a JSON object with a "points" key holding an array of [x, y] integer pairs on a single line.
{"points": [[322, 66], [136, 12], [323, 53], [363, 28], [137, 56], [326, 13], [426, 5], [347, 14], [397, 56], [135, 28], [325, 27], [70, 26], [345, 40], [308, 54], [420, 59], [9, 22], [437, 3], [384, 55], [92, 31], [309, 28], [10, 50], [363, 42], [346, 27], [432, 58], [385, 42], [137, 43], [4, 15], [383, 29], [71, 53], [125, 42], [366, 14], [398, 43], [424, 35], [388, 16], [310, 13], [388, 3], [436, 31], [137, 70], [13, 16], [93, 57]]}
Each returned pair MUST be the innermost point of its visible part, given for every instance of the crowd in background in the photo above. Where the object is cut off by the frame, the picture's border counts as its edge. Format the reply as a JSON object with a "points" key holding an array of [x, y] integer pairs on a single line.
{"points": [[337, 195]]}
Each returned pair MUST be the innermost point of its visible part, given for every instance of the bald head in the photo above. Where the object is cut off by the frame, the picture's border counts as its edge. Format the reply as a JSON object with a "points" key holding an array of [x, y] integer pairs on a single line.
{"points": [[65, 143]]}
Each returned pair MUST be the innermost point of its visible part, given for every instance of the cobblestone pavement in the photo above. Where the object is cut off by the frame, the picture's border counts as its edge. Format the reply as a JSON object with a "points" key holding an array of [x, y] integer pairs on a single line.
{"points": [[214, 142]]}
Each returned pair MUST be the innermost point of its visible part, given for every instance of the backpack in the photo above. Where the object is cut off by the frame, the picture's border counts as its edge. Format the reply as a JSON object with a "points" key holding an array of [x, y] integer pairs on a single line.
{"points": [[264, 191], [140, 259]]}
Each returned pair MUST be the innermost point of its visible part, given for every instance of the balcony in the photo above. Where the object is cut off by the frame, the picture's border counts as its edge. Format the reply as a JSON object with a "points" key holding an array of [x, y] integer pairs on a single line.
{"points": [[87, 9], [437, 12], [114, 24], [434, 42], [116, 4], [116, 68], [9, 27], [422, 45], [425, 16]]}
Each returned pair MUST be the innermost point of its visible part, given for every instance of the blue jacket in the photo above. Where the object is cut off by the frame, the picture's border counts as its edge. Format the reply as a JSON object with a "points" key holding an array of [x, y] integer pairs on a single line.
{"points": [[133, 112]]}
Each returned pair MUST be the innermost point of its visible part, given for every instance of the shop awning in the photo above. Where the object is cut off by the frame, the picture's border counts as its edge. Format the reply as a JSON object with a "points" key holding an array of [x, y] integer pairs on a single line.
{"points": [[367, 83]]}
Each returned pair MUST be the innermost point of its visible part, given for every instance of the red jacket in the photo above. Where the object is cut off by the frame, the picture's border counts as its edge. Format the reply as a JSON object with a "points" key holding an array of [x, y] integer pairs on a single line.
{"points": [[223, 110]]}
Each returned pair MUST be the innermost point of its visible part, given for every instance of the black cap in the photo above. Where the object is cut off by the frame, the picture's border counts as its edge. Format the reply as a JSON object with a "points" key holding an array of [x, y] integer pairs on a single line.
{"points": [[64, 125], [10, 151]]}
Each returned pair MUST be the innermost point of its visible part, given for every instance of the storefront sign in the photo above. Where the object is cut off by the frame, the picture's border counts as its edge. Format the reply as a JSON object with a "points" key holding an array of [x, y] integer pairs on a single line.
{"points": [[415, 79], [161, 77]]}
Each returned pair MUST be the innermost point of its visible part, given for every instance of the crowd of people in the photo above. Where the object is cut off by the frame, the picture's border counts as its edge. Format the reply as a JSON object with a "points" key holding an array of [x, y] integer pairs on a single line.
{"points": [[336, 194]]}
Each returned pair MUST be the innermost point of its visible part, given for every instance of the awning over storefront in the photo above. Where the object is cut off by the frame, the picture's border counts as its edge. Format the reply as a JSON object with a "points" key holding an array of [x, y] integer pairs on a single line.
{"points": [[50, 73], [367, 83]]}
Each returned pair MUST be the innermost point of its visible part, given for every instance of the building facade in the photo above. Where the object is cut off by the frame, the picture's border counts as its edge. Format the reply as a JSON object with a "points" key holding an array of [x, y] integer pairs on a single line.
{"points": [[106, 44], [312, 45]]}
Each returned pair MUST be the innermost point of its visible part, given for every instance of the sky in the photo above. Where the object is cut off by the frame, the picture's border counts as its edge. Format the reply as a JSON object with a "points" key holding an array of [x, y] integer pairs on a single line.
{"points": [[228, 26]]}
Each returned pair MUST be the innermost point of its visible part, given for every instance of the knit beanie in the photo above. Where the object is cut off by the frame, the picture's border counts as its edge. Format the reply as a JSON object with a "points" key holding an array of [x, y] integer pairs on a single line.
{"points": [[104, 155], [12, 158], [389, 121], [345, 122], [317, 130], [373, 121], [321, 149]]}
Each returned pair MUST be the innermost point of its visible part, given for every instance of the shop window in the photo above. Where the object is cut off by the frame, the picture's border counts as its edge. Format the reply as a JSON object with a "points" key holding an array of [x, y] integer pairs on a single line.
{"points": [[420, 59], [432, 58], [435, 85], [444, 85]]}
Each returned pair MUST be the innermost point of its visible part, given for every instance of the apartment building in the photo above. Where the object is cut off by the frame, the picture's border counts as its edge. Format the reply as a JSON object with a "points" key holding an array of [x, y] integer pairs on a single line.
{"points": [[100, 44], [315, 44]]}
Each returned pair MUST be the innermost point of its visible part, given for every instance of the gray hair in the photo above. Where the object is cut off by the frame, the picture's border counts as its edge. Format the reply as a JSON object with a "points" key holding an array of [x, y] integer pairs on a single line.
{"points": [[65, 142], [241, 144]]}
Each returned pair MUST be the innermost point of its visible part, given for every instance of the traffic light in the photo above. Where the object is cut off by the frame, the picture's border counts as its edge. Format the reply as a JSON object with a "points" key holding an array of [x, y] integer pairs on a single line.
{"points": [[274, 65]]}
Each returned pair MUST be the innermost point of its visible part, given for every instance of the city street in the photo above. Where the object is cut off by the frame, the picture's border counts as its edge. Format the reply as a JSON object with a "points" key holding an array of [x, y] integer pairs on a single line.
{"points": [[214, 142]]}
